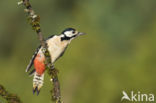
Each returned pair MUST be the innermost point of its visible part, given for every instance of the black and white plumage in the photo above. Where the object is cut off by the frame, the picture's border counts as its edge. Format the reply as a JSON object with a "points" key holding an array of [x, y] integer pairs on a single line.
{"points": [[57, 45]]}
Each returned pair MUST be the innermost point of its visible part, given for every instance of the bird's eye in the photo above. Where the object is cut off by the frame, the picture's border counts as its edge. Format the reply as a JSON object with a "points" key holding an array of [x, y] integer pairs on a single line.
{"points": [[73, 32]]}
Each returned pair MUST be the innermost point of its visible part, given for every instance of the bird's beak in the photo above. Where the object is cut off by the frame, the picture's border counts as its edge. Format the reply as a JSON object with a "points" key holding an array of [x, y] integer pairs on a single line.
{"points": [[80, 33]]}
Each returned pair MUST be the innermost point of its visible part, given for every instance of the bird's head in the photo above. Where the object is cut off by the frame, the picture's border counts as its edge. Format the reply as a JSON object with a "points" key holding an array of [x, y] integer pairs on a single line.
{"points": [[70, 33]]}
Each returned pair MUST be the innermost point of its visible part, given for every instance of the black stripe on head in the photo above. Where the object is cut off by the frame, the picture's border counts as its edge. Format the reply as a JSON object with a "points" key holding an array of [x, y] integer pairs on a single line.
{"points": [[68, 29], [67, 38]]}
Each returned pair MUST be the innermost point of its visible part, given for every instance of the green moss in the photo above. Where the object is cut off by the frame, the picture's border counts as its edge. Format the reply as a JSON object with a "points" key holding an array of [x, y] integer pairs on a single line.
{"points": [[11, 98]]}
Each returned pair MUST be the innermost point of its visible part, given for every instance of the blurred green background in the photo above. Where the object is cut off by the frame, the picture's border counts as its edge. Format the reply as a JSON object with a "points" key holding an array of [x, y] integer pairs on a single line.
{"points": [[119, 52]]}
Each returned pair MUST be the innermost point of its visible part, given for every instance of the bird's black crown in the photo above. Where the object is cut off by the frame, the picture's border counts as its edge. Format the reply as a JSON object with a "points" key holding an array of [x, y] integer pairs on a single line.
{"points": [[68, 29]]}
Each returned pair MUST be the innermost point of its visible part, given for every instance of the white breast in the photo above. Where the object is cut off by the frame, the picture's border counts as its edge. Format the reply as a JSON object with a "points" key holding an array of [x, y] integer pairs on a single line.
{"points": [[56, 47]]}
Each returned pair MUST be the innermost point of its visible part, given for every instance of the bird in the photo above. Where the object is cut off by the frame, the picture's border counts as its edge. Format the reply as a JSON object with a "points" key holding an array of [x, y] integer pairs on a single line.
{"points": [[57, 45]]}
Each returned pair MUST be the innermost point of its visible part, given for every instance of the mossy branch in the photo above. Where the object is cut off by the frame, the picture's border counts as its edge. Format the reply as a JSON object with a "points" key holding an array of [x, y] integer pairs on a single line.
{"points": [[34, 20], [10, 98]]}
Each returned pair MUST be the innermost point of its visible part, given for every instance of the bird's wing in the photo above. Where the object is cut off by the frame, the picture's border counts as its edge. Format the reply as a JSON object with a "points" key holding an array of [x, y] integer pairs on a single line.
{"points": [[32, 59]]}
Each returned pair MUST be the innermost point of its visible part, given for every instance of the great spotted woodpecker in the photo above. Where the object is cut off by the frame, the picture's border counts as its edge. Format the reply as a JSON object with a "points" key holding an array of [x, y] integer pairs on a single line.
{"points": [[57, 45]]}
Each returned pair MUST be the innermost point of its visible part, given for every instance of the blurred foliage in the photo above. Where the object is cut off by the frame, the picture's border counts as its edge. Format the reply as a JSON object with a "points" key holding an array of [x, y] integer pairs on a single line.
{"points": [[10, 98], [117, 54]]}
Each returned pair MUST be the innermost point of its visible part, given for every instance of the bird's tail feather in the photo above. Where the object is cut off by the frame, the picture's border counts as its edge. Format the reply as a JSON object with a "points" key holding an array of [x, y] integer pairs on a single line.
{"points": [[37, 82]]}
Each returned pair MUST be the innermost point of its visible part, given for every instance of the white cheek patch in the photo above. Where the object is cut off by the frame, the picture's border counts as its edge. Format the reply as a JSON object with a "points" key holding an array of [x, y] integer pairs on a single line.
{"points": [[69, 33]]}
